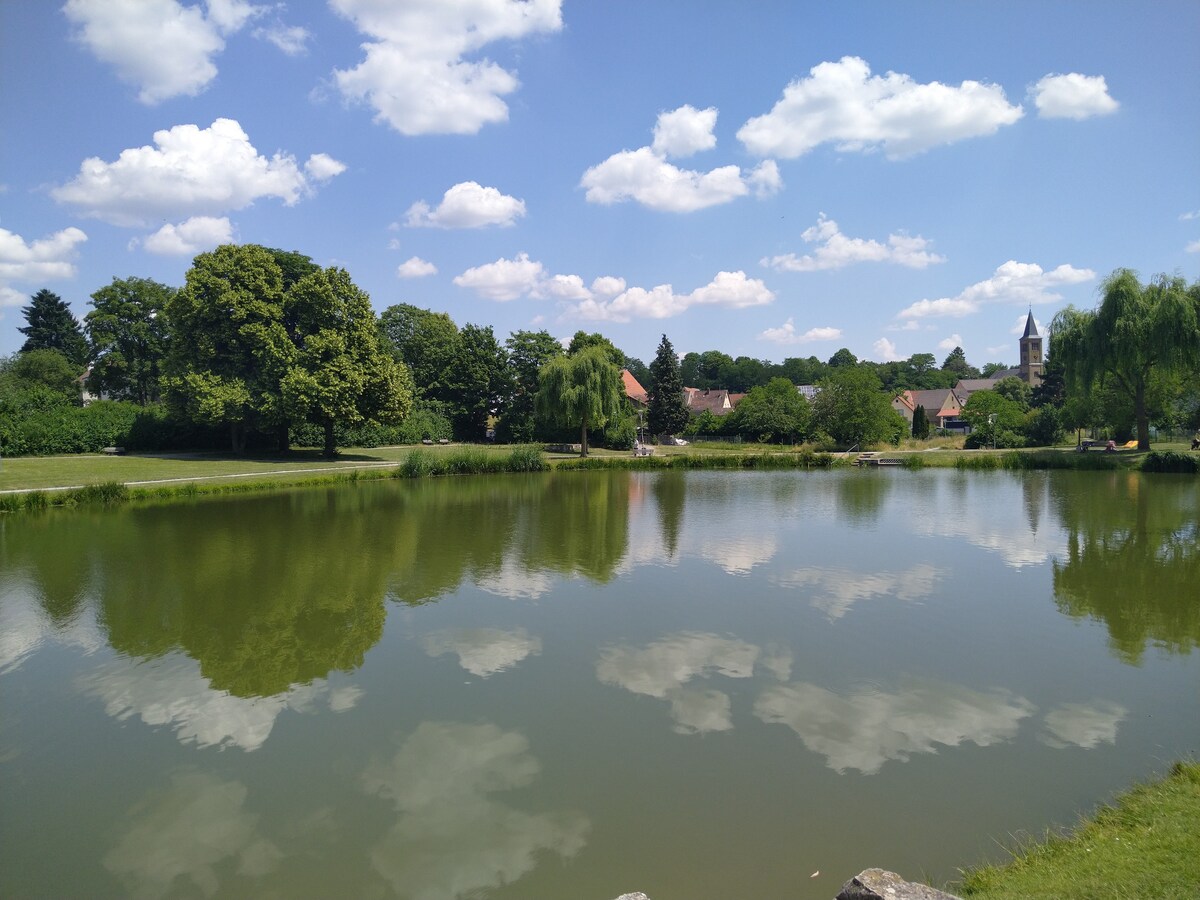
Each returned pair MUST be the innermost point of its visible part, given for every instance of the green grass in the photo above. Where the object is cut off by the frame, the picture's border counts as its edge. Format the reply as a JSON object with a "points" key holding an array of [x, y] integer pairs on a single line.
{"points": [[66, 471], [414, 464], [72, 480], [1145, 845]]}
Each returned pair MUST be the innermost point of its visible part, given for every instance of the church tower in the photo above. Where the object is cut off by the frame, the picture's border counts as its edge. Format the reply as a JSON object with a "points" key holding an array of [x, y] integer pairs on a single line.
{"points": [[1031, 353]]}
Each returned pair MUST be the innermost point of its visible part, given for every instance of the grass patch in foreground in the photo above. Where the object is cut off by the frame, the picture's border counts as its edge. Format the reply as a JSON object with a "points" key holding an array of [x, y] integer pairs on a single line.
{"points": [[1147, 844], [417, 464]]}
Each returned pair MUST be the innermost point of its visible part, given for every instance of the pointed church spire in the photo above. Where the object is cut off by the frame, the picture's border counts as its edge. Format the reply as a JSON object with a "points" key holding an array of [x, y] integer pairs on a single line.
{"points": [[1030, 326]]}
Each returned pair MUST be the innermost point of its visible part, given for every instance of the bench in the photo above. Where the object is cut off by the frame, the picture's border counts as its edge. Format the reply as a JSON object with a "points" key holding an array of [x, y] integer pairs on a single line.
{"points": [[113, 451]]}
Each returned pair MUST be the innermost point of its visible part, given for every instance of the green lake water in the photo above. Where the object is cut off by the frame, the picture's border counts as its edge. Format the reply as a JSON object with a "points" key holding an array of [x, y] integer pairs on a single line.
{"points": [[710, 685]]}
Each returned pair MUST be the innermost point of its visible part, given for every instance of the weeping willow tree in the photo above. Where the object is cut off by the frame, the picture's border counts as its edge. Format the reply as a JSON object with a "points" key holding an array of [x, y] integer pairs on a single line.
{"points": [[1137, 335], [582, 390]]}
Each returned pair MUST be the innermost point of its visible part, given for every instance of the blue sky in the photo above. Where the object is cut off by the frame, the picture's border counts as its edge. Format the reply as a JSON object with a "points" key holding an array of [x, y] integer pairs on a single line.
{"points": [[769, 179]]}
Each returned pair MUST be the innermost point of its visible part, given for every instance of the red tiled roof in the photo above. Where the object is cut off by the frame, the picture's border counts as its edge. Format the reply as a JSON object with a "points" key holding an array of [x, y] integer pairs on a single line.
{"points": [[633, 388]]}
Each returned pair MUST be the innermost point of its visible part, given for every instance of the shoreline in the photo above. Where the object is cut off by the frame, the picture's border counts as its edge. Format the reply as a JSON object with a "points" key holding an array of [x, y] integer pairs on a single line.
{"points": [[468, 459]]}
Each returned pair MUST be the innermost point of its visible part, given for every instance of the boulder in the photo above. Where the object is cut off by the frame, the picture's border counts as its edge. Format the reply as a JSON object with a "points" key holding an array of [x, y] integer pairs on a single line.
{"points": [[880, 884], [636, 895]]}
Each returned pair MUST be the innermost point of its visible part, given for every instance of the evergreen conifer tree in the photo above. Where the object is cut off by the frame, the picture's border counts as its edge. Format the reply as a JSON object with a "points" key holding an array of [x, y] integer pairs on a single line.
{"points": [[51, 326], [667, 415], [920, 426]]}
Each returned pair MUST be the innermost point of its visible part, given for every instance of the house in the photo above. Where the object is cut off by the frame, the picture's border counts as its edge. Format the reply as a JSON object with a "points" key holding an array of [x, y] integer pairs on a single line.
{"points": [[634, 391], [942, 407], [717, 402], [808, 391]]}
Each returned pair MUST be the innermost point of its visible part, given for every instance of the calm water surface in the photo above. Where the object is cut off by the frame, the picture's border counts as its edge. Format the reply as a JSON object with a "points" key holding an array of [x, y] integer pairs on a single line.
{"points": [[700, 686]]}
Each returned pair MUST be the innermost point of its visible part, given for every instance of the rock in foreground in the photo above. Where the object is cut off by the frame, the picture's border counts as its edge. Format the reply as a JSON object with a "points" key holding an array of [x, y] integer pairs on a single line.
{"points": [[880, 884]]}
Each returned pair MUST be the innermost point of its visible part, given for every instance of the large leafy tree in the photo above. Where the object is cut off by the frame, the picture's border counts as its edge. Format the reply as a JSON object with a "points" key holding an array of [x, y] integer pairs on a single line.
{"points": [[234, 348], [528, 351], [128, 335], [44, 369], [340, 374], [426, 342], [582, 390], [853, 409], [775, 412], [995, 420], [50, 325], [478, 382], [667, 414], [1137, 338]]}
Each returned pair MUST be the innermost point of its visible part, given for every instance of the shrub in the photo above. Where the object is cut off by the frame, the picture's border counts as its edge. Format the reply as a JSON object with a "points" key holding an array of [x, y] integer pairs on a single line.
{"points": [[620, 434], [1168, 461]]}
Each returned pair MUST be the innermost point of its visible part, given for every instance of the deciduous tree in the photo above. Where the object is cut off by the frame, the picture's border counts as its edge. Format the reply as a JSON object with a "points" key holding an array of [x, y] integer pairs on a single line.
{"points": [[582, 390], [340, 374], [528, 351], [852, 408], [1138, 333], [234, 349], [128, 335], [478, 382], [775, 412], [427, 342]]}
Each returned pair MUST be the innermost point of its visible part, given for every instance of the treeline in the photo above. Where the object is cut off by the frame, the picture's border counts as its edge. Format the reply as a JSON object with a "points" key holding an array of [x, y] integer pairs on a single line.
{"points": [[263, 349]]}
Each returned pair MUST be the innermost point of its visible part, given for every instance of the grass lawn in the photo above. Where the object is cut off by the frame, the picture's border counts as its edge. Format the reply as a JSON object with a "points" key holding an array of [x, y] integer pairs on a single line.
{"points": [[1147, 844], [48, 472], [27, 472]]}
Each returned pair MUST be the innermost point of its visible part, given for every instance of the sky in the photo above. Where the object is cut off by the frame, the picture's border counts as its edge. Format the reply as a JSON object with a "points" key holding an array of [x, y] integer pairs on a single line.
{"points": [[767, 179]]}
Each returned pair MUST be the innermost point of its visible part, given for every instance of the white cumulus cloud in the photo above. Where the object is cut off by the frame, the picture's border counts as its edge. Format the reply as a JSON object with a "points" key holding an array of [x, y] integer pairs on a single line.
{"points": [[504, 279], [834, 250], [844, 104], [685, 131], [886, 350], [949, 343], [787, 334], [730, 290], [1014, 282], [644, 175], [608, 298], [196, 235], [45, 259], [467, 205], [415, 73], [162, 47], [1193, 247], [189, 171], [322, 167], [415, 267], [1072, 96]]}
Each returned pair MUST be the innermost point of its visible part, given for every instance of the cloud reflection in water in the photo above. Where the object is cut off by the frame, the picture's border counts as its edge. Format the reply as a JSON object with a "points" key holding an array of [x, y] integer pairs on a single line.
{"points": [[451, 839]]}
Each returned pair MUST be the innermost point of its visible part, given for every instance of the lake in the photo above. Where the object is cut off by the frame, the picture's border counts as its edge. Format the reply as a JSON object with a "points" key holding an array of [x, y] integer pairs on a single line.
{"points": [[701, 685]]}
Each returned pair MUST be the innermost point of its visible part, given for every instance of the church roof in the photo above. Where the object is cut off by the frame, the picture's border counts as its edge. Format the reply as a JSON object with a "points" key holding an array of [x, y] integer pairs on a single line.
{"points": [[1030, 327]]}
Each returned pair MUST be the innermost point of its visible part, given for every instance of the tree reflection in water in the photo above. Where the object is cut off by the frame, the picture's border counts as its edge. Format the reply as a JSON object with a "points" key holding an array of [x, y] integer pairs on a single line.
{"points": [[1132, 559]]}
